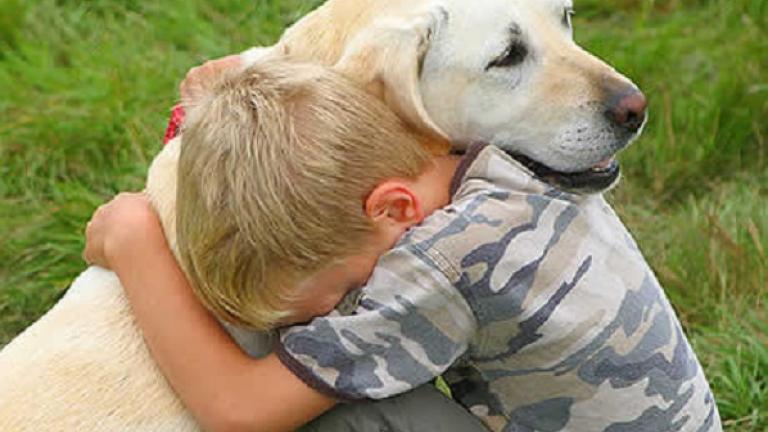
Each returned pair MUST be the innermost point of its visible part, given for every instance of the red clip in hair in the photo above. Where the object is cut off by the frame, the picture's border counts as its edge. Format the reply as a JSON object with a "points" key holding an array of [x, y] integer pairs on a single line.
{"points": [[174, 124]]}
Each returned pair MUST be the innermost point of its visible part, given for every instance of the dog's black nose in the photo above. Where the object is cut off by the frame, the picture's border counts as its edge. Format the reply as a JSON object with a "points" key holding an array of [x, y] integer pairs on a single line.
{"points": [[628, 110]]}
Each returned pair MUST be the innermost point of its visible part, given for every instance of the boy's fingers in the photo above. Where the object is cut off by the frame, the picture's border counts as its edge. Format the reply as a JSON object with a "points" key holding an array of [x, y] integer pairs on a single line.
{"points": [[199, 78], [113, 219], [89, 240], [88, 254]]}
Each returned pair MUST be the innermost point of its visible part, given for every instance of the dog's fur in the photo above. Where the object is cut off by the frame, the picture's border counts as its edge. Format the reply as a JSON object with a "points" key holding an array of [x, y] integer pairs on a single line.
{"points": [[501, 71]]}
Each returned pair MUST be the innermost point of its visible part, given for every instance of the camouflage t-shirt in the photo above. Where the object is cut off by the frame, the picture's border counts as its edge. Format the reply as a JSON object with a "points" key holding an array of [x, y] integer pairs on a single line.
{"points": [[535, 303]]}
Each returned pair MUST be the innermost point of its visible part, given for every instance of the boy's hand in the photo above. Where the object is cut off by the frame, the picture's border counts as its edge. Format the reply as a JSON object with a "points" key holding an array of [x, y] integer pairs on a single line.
{"points": [[200, 79], [126, 225]]}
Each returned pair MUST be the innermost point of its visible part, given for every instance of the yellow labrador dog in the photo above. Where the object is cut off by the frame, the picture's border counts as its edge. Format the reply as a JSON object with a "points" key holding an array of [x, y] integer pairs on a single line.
{"points": [[505, 72]]}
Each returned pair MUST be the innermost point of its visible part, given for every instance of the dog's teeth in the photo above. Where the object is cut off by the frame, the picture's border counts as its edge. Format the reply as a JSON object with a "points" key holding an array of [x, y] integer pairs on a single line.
{"points": [[603, 165]]}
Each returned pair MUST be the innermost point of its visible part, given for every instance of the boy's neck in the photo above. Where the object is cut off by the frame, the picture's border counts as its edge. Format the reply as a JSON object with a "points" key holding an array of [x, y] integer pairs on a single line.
{"points": [[433, 187]]}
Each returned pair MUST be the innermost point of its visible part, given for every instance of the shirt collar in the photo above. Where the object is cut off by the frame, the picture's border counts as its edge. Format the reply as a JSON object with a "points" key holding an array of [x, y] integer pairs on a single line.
{"points": [[466, 161], [488, 163]]}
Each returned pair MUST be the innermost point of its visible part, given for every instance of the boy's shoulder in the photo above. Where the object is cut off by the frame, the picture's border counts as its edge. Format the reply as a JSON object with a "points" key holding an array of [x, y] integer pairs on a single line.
{"points": [[494, 200]]}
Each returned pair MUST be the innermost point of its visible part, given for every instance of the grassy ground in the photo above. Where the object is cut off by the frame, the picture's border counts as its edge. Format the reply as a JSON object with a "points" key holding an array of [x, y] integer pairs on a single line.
{"points": [[85, 87]]}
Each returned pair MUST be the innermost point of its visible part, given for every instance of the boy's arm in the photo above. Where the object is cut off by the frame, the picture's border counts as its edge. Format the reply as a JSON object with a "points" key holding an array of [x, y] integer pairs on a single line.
{"points": [[410, 326], [201, 79], [223, 388]]}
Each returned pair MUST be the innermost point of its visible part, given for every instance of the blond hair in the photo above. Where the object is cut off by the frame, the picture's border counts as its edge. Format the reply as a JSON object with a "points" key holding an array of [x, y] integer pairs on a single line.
{"points": [[273, 171]]}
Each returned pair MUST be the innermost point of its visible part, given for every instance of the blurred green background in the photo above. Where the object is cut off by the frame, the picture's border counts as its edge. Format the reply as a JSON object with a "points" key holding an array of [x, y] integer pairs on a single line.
{"points": [[85, 88]]}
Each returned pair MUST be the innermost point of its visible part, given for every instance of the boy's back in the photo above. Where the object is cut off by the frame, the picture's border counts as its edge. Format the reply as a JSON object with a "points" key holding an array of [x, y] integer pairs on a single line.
{"points": [[539, 299]]}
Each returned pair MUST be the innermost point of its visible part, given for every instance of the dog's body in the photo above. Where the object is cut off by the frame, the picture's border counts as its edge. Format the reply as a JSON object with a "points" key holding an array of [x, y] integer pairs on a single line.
{"points": [[501, 71], [84, 366]]}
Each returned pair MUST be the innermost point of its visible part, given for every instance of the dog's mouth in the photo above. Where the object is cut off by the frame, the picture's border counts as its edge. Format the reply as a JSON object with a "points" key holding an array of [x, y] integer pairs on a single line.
{"points": [[598, 178]]}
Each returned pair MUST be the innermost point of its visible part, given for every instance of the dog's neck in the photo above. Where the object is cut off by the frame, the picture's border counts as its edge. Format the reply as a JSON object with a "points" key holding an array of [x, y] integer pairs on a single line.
{"points": [[161, 189]]}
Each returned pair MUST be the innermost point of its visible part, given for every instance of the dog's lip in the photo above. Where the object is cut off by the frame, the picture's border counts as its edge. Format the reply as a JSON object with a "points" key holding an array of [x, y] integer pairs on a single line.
{"points": [[603, 165], [599, 177]]}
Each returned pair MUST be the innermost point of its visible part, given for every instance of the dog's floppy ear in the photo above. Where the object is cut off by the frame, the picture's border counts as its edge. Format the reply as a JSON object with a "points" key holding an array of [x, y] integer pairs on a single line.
{"points": [[387, 59]]}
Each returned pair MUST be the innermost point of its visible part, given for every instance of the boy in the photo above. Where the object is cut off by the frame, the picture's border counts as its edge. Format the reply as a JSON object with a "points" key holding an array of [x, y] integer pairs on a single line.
{"points": [[279, 146], [535, 301]]}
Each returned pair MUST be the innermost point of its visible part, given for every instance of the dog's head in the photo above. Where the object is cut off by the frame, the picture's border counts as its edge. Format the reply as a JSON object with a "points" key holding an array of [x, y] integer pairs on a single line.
{"points": [[506, 72]]}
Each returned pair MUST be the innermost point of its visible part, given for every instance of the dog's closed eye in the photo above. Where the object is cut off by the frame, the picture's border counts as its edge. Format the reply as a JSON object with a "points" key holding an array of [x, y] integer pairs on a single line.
{"points": [[515, 54]]}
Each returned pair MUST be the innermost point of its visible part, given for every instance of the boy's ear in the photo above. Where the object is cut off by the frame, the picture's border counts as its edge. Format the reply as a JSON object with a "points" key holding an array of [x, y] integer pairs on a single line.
{"points": [[394, 203]]}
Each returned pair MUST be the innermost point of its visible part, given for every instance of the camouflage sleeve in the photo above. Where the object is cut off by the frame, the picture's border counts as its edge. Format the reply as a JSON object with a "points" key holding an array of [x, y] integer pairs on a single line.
{"points": [[410, 325]]}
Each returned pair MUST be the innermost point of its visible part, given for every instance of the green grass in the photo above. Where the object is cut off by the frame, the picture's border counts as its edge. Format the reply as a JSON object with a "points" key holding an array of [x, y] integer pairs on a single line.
{"points": [[85, 89]]}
